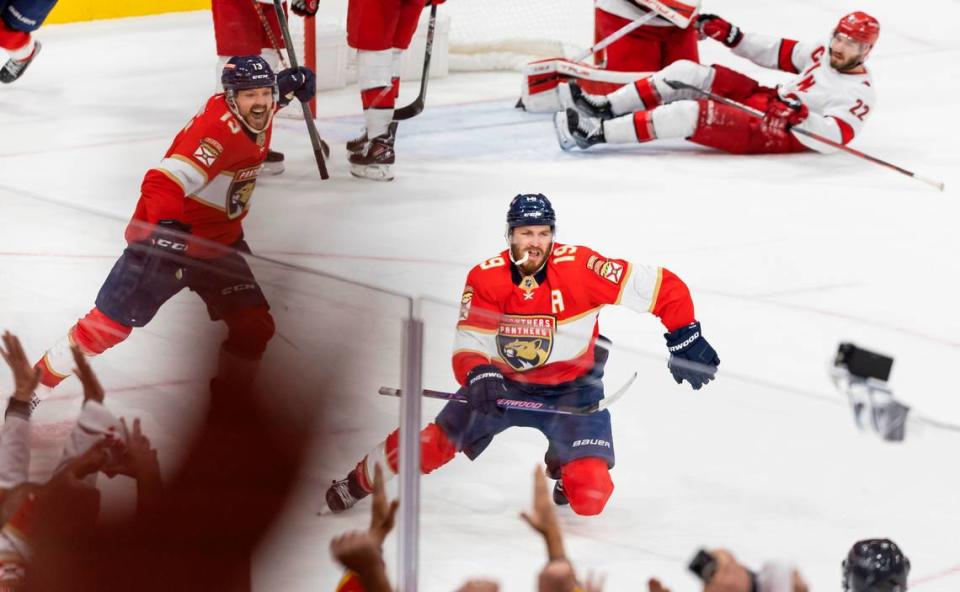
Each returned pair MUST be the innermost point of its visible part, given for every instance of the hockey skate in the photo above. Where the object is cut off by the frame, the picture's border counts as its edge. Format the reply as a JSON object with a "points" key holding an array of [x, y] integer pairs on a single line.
{"points": [[14, 69], [375, 161], [559, 496], [597, 106], [344, 494], [356, 145], [576, 130], [274, 163]]}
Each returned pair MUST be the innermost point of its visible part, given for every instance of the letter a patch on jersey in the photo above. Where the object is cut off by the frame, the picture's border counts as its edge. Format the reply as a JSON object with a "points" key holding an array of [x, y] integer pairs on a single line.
{"points": [[524, 342]]}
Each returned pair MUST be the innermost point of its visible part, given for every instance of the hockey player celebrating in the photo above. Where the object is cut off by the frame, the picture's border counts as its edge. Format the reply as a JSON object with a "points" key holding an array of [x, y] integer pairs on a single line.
{"points": [[380, 31], [239, 31], [18, 19], [186, 231], [528, 331], [831, 95]]}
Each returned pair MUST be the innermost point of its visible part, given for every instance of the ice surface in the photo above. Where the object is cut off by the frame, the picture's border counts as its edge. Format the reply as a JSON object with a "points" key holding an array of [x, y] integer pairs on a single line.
{"points": [[786, 257]]}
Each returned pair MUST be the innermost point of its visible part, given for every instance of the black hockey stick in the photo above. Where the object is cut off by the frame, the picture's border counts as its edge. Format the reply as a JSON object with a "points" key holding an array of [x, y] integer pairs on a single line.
{"points": [[315, 140], [414, 108], [522, 405], [724, 100]]}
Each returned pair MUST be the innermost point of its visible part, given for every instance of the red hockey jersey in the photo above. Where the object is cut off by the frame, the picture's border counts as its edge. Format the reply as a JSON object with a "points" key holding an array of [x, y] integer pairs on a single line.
{"points": [[542, 329], [206, 180]]}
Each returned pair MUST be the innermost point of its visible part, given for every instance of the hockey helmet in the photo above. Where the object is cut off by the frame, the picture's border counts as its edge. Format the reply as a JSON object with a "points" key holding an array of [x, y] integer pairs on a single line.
{"points": [[875, 565], [860, 27], [530, 209], [244, 72]]}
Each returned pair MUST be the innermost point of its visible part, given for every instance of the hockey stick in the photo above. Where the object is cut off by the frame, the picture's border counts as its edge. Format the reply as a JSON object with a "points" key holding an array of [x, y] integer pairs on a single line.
{"points": [[315, 140], [616, 36], [414, 108], [683, 85], [521, 405]]}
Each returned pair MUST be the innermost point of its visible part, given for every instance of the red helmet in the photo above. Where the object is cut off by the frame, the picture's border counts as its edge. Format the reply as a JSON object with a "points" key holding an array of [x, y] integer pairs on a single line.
{"points": [[861, 27]]}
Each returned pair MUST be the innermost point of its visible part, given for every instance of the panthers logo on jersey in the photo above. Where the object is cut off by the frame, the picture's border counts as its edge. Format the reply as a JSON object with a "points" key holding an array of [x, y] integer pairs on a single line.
{"points": [[241, 191], [524, 342]]}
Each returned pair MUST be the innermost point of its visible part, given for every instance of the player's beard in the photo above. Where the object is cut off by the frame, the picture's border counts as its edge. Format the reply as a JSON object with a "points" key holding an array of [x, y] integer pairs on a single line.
{"points": [[528, 264], [258, 117], [841, 65]]}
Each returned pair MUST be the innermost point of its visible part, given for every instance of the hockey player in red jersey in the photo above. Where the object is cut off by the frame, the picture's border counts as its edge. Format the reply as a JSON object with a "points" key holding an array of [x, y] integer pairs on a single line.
{"points": [[380, 31], [653, 46], [832, 95], [528, 331], [18, 20], [186, 230], [239, 31]]}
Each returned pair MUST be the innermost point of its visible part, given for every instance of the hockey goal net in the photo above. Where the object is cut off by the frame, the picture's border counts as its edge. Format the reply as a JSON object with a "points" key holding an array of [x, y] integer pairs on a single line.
{"points": [[484, 34]]}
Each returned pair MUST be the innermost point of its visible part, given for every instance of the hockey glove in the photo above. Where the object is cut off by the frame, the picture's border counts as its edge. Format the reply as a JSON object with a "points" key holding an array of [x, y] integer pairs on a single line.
{"points": [[784, 113], [300, 83], [304, 7], [691, 357], [484, 387], [714, 27], [170, 237]]}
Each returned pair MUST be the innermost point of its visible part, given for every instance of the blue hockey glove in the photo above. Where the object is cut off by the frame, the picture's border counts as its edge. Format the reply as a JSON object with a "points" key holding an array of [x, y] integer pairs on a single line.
{"points": [[484, 387], [296, 82], [691, 357]]}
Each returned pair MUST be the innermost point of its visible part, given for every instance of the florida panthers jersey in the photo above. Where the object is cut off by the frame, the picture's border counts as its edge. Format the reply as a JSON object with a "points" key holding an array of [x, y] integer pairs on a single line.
{"points": [[542, 329], [206, 180], [839, 103]]}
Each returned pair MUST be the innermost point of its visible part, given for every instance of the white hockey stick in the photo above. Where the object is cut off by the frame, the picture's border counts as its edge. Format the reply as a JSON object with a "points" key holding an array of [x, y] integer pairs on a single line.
{"points": [[616, 36], [522, 405]]}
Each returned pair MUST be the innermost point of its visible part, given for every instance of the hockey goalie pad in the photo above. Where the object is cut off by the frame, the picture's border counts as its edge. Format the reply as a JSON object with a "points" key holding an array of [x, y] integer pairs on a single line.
{"points": [[678, 13], [540, 80]]}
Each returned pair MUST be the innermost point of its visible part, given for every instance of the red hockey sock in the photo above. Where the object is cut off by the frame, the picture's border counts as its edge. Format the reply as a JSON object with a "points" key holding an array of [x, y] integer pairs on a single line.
{"points": [[648, 93], [381, 97], [12, 40], [587, 485], [94, 334], [395, 82], [643, 126]]}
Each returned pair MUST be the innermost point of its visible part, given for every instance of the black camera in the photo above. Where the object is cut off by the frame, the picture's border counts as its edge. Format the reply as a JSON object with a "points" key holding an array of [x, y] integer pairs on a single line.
{"points": [[703, 565]]}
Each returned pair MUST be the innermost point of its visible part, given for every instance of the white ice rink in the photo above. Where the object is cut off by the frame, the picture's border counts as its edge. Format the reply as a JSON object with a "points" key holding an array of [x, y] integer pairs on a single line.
{"points": [[786, 257]]}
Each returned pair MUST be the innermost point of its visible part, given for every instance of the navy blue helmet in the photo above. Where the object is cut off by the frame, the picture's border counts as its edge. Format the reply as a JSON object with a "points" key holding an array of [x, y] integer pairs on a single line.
{"points": [[875, 565], [244, 72], [530, 209]]}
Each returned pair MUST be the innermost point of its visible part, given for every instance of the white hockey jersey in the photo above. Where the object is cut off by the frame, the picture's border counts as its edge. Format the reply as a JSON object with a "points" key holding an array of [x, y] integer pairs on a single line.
{"points": [[839, 103]]}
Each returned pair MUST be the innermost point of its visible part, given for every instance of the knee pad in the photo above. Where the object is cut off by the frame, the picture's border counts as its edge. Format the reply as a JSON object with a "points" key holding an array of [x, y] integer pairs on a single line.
{"points": [[731, 84], [436, 449], [687, 71], [676, 120], [250, 330], [587, 485]]}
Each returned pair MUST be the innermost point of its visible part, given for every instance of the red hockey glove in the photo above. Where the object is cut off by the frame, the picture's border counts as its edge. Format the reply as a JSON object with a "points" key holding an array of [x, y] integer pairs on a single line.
{"points": [[784, 113], [304, 7], [711, 25]]}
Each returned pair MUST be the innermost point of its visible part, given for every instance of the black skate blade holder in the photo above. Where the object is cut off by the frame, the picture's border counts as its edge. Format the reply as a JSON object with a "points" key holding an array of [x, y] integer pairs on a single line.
{"points": [[862, 376]]}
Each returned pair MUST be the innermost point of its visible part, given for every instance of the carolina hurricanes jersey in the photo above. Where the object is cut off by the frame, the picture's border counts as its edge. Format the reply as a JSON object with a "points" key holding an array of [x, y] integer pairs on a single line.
{"points": [[839, 103], [542, 329], [206, 180]]}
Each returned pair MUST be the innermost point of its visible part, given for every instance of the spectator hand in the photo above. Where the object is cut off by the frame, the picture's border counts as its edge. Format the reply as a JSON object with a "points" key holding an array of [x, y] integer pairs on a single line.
{"points": [[357, 551], [25, 376], [137, 458], [92, 391], [479, 586], [382, 513], [654, 585], [691, 357], [543, 519], [729, 576]]}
